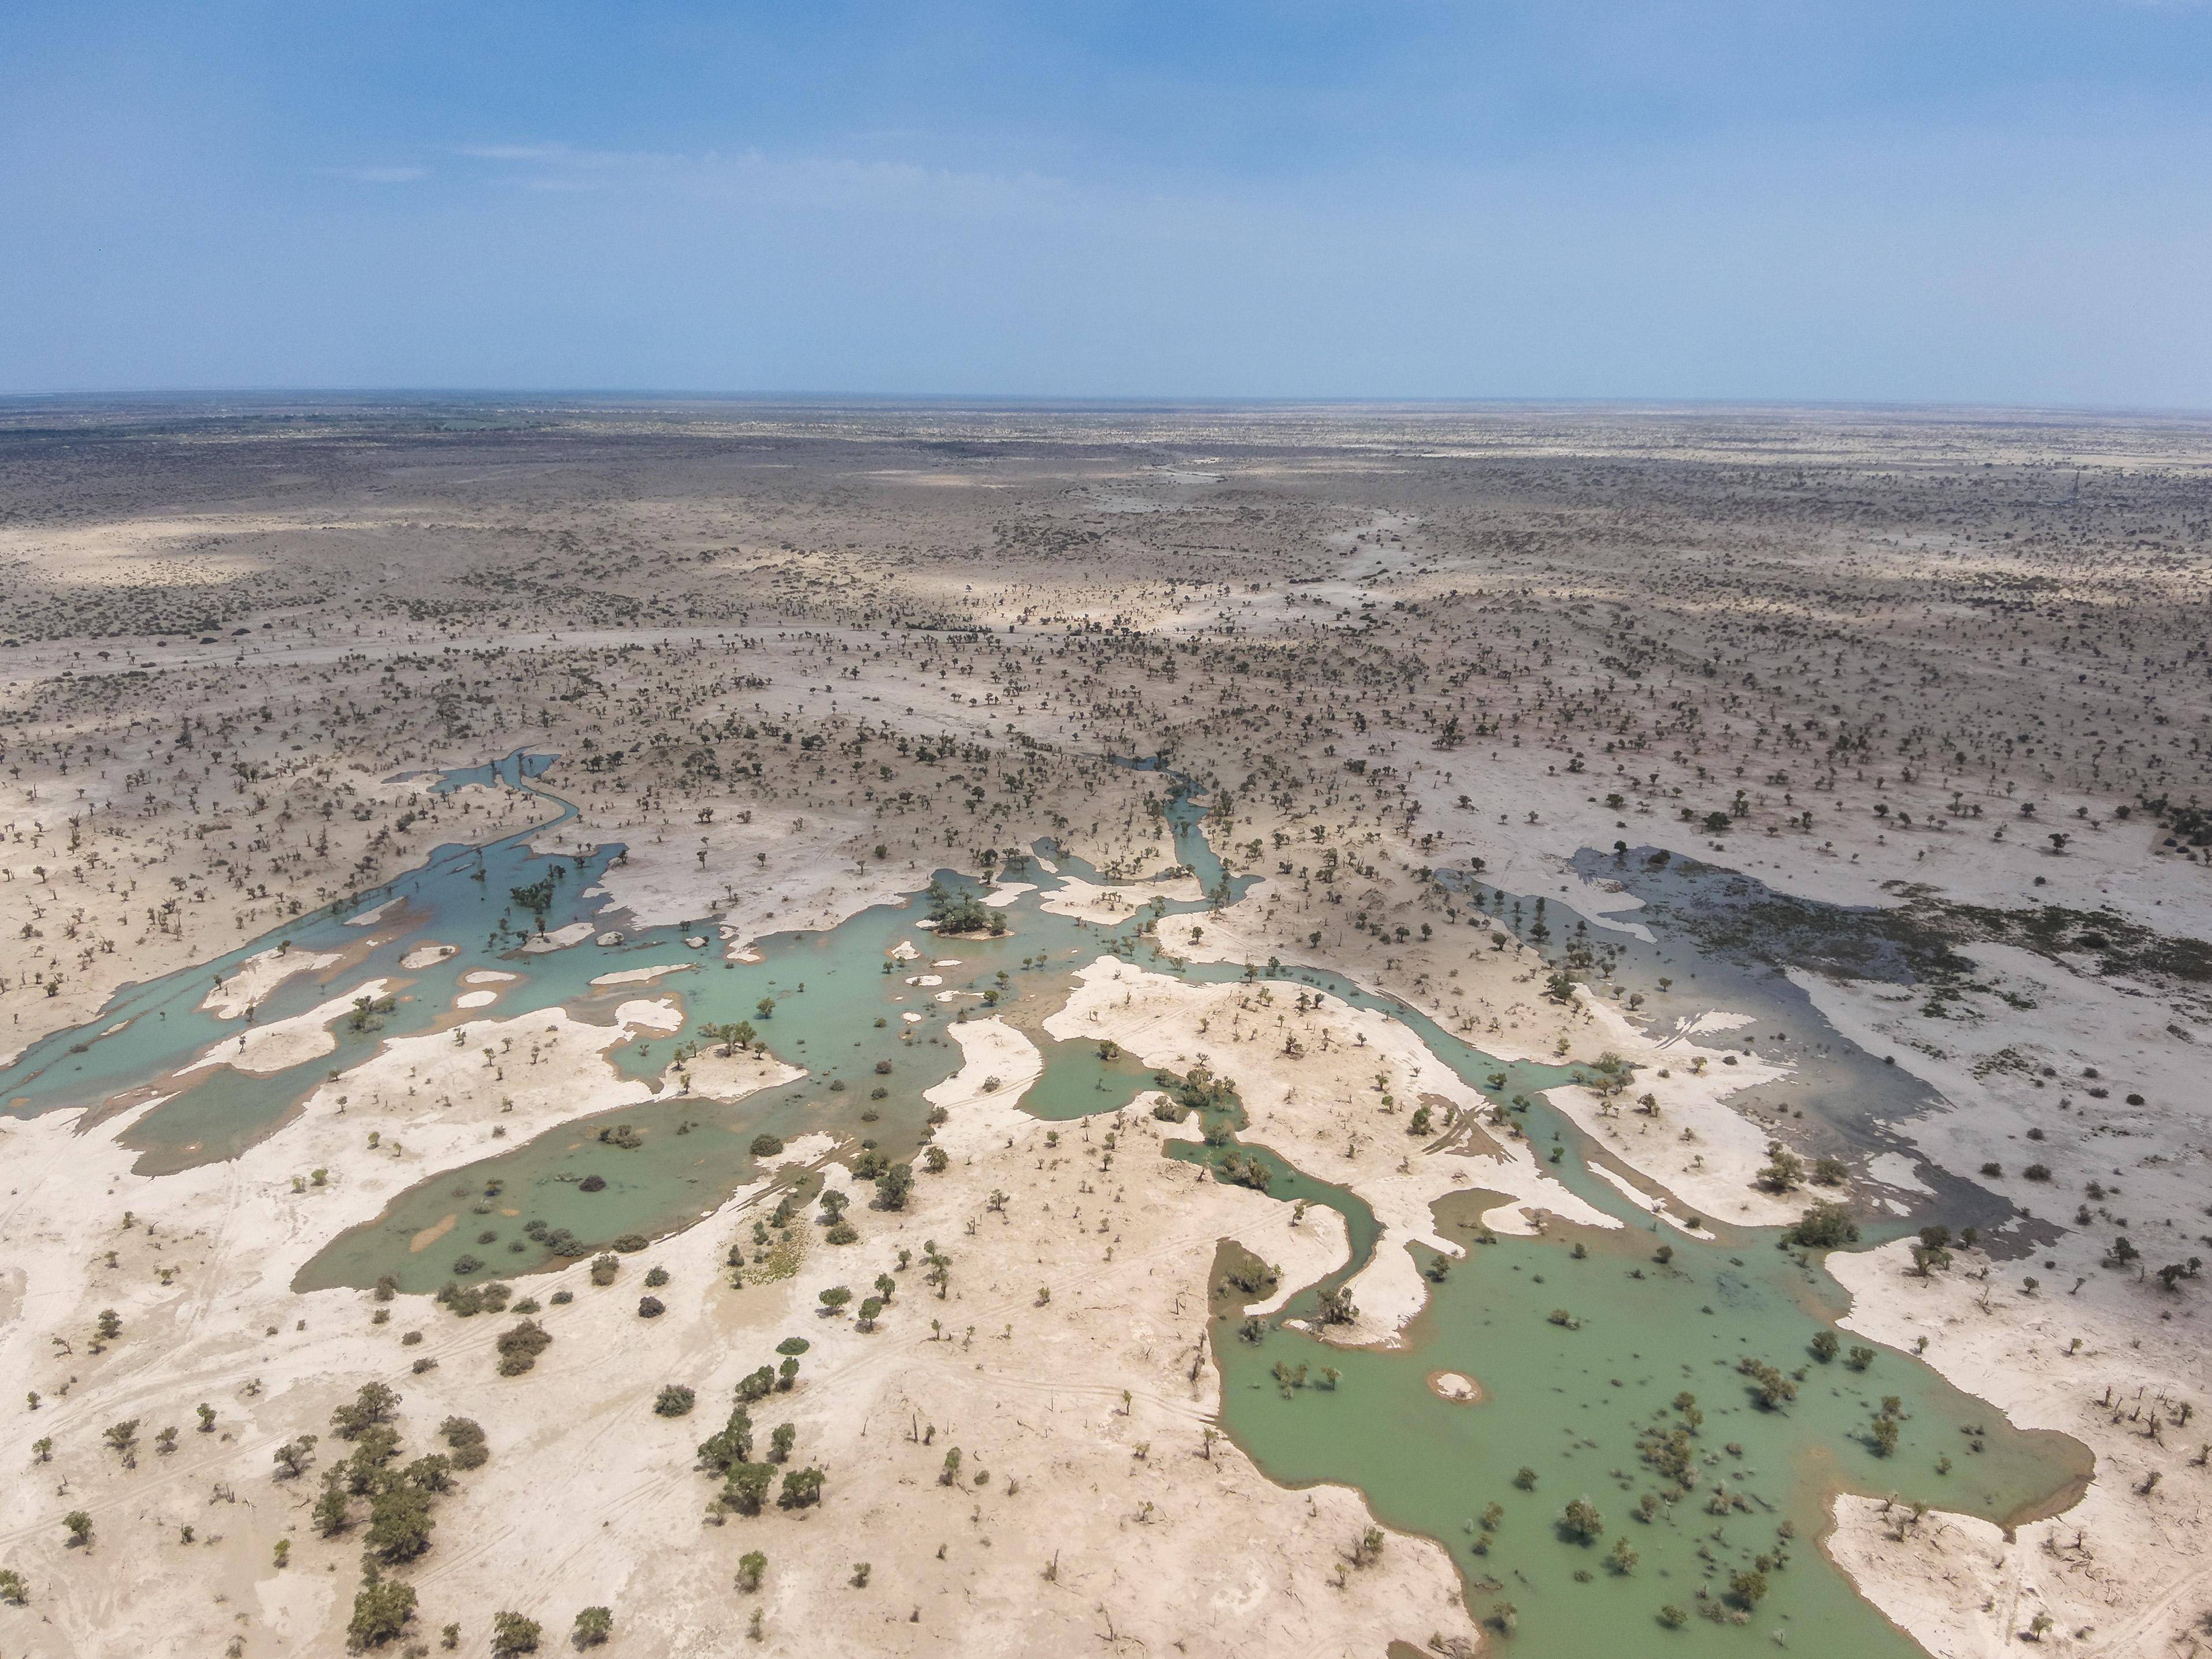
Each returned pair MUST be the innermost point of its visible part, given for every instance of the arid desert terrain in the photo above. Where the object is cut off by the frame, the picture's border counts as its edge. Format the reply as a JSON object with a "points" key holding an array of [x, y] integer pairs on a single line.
{"points": [[1344, 940]]}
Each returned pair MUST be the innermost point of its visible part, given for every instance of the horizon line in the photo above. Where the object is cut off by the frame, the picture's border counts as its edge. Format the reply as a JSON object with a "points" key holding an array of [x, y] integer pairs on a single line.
{"points": [[1076, 400]]}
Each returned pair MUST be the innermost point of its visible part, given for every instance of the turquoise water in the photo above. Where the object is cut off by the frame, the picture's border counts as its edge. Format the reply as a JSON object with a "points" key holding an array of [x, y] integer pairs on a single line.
{"points": [[1566, 1400], [1569, 1402]]}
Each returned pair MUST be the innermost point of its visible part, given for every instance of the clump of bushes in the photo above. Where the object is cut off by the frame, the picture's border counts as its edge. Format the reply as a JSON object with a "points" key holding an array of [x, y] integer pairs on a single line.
{"points": [[466, 1301], [466, 1437], [518, 1348], [559, 1240], [1826, 1225]]}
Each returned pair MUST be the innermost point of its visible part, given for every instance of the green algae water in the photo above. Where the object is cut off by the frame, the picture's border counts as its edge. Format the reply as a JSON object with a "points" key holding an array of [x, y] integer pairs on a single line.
{"points": [[1581, 1363], [1584, 1360], [663, 1164], [142, 1046]]}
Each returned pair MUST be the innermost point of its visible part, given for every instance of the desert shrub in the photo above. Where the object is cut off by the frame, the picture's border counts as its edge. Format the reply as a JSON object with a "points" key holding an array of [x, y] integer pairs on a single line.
{"points": [[674, 1400], [466, 1437], [518, 1348]]}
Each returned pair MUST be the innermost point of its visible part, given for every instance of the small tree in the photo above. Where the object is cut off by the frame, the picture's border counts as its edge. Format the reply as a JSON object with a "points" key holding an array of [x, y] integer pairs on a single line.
{"points": [[375, 1403], [512, 1633], [331, 1514], [1826, 1225], [750, 1565], [293, 1457], [1785, 1169], [399, 1523], [746, 1487], [78, 1525], [835, 1298], [381, 1608], [593, 1627], [1581, 1522], [729, 1445], [1747, 1588], [432, 1472]]}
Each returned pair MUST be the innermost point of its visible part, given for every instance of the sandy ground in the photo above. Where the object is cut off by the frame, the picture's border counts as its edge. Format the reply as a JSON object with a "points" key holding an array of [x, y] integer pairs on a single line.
{"points": [[2120, 1573], [258, 975], [762, 877], [283, 1043], [1097, 1502], [1396, 646], [1090, 902], [1324, 1108]]}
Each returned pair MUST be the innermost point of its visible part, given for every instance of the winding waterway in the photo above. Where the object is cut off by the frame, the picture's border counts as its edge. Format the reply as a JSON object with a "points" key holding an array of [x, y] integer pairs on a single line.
{"points": [[1574, 1399]]}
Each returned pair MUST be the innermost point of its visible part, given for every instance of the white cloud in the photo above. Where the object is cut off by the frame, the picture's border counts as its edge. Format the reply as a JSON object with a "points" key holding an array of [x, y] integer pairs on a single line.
{"points": [[753, 178], [396, 175]]}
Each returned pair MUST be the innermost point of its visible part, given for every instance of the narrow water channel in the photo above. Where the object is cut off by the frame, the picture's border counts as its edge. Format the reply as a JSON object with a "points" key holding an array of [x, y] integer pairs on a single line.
{"points": [[1581, 1341]]}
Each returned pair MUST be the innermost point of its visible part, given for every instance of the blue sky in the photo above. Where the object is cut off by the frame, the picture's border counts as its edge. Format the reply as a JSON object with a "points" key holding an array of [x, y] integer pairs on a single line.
{"points": [[2004, 201]]}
